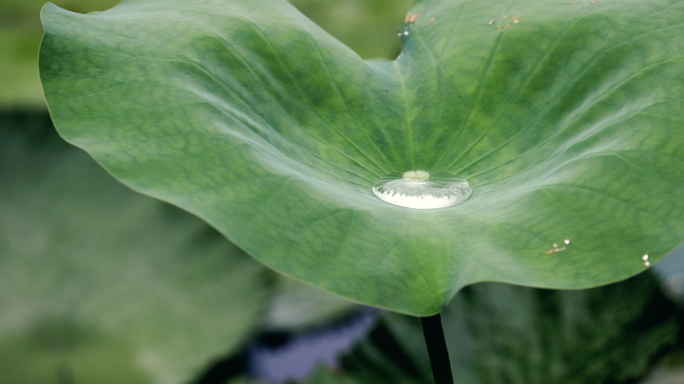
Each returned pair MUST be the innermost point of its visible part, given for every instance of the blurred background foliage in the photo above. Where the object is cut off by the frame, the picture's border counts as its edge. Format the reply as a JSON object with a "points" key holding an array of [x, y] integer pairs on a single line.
{"points": [[102, 285], [96, 280]]}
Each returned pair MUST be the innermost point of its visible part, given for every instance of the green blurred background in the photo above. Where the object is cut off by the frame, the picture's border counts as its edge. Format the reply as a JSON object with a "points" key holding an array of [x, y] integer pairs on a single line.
{"points": [[101, 285]]}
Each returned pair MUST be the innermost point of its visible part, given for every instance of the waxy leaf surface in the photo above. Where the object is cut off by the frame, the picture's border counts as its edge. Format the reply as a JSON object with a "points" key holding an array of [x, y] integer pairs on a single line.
{"points": [[566, 117]]}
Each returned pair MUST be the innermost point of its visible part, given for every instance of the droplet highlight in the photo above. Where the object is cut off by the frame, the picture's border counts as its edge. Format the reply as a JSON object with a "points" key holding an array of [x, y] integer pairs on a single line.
{"points": [[422, 189], [645, 259]]}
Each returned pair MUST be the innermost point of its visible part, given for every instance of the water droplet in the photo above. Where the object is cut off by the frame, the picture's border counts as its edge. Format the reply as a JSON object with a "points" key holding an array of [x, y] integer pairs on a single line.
{"points": [[567, 241], [491, 22], [644, 257], [422, 190]]}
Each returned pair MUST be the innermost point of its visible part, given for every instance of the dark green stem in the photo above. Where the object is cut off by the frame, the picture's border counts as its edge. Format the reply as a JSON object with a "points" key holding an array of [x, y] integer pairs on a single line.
{"points": [[437, 349]]}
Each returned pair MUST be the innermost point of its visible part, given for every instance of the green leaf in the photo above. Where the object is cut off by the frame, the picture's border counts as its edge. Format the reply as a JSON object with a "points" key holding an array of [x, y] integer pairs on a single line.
{"points": [[369, 27], [499, 333], [566, 119], [20, 36], [101, 285]]}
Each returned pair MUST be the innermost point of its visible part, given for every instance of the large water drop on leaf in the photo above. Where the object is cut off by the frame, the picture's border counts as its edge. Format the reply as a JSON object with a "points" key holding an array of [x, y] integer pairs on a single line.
{"points": [[422, 189]]}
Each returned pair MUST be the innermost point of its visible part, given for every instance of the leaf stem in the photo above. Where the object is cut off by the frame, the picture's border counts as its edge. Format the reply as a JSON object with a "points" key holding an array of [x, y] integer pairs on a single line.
{"points": [[437, 349]]}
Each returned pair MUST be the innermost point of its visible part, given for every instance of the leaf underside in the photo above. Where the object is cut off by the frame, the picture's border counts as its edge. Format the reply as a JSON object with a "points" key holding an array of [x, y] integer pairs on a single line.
{"points": [[567, 118]]}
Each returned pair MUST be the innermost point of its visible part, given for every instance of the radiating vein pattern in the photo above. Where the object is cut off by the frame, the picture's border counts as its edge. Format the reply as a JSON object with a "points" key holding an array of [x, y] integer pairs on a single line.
{"points": [[566, 118]]}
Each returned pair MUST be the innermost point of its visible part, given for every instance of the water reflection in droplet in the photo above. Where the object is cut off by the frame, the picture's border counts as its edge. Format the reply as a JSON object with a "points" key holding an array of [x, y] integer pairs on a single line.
{"points": [[422, 190]]}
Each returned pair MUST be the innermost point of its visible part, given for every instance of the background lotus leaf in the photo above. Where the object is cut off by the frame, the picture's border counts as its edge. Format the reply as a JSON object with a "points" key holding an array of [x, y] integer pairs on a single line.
{"points": [[499, 333], [101, 285], [566, 117]]}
